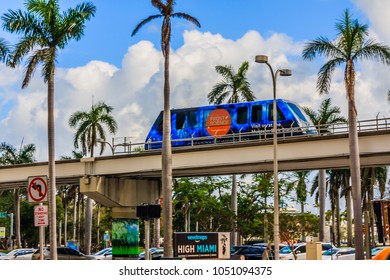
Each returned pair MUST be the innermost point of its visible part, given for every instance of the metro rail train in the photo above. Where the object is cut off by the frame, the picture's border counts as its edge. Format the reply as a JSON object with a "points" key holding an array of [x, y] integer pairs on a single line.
{"points": [[221, 123]]}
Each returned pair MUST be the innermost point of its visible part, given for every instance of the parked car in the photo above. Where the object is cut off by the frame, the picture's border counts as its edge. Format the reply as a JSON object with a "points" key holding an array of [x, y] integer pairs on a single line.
{"points": [[63, 253], [281, 245], [104, 254], [346, 253], [19, 254], [383, 254], [248, 252], [156, 254], [376, 250], [300, 250]]}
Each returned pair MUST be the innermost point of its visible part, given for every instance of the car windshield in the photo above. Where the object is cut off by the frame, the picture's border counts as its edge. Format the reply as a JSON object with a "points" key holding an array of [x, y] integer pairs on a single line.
{"points": [[285, 250], [330, 252]]}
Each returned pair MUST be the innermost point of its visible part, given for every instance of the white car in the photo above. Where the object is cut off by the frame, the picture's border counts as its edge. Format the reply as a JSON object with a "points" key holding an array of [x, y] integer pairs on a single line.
{"points": [[19, 254], [300, 251], [104, 254], [347, 253]]}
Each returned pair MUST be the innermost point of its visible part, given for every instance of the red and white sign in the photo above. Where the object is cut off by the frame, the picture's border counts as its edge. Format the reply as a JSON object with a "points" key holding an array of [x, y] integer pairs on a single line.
{"points": [[41, 217], [37, 189]]}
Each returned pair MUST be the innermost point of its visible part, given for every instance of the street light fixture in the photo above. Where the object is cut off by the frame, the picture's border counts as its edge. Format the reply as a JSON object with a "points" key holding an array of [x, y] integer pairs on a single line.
{"points": [[99, 140], [281, 72]]}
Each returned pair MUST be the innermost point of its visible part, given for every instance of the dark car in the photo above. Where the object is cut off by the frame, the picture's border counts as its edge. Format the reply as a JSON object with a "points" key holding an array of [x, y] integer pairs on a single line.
{"points": [[63, 253], [248, 252]]}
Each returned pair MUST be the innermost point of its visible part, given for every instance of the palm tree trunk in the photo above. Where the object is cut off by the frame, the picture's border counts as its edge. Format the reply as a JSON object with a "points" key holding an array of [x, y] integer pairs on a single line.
{"points": [[52, 174], [322, 190], [348, 205], [166, 168], [356, 184], [234, 210], [66, 222], [98, 206], [156, 235], [75, 216], [338, 222], [354, 162], [88, 226], [17, 218]]}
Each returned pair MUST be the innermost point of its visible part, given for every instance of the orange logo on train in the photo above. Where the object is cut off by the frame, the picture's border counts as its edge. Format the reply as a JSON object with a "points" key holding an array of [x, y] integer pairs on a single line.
{"points": [[218, 122]]}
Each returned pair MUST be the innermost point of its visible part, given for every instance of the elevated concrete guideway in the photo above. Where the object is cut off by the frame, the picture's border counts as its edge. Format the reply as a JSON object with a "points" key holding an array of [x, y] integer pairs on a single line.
{"points": [[305, 153]]}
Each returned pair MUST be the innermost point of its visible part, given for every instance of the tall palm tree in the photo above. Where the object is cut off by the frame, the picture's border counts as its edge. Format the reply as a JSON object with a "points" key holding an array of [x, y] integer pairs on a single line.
{"points": [[323, 119], [166, 13], [9, 155], [45, 30], [234, 87], [90, 128], [350, 46]]}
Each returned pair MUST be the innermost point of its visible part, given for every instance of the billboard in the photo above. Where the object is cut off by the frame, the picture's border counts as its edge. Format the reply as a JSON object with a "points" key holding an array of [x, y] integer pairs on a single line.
{"points": [[195, 245], [125, 237]]}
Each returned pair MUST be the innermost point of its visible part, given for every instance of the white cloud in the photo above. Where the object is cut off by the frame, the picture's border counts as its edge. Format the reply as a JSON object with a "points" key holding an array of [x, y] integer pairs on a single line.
{"points": [[135, 90]]}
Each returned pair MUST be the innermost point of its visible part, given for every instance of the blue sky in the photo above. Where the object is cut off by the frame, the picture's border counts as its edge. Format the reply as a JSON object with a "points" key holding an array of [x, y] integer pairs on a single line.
{"points": [[108, 34], [126, 72]]}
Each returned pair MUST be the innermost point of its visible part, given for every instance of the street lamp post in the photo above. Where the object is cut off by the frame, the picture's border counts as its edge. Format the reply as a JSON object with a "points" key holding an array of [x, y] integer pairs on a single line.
{"points": [[108, 143], [281, 72]]}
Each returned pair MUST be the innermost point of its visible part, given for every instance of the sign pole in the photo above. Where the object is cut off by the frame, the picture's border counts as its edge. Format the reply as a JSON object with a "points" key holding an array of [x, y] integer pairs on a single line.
{"points": [[41, 239]]}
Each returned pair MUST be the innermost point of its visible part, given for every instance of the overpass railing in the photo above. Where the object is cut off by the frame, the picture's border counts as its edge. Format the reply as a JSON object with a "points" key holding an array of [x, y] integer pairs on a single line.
{"points": [[124, 145]]}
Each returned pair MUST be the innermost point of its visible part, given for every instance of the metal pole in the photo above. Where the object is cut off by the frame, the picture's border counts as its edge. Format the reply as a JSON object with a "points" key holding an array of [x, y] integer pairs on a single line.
{"points": [[147, 239], [275, 167], [41, 239]]}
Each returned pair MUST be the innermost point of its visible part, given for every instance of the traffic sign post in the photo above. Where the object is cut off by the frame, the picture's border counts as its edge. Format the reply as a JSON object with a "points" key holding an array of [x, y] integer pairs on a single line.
{"points": [[37, 189]]}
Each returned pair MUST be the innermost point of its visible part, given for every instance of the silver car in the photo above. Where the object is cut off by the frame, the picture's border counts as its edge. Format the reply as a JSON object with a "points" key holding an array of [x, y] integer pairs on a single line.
{"points": [[19, 254]]}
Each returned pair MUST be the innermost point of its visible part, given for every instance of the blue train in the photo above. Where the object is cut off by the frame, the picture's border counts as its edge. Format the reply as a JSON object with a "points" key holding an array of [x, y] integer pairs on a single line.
{"points": [[226, 122]]}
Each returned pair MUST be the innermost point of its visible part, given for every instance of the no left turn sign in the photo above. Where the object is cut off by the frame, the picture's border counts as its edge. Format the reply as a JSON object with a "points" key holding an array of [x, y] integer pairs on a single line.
{"points": [[37, 189]]}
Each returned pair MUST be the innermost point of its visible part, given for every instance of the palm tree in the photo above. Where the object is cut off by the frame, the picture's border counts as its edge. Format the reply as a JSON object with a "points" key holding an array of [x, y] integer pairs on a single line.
{"points": [[11, 156], [324, 118], [90, 128], [166, 13], [4, 49], [350, 46], [234, 87], [45, 30]]}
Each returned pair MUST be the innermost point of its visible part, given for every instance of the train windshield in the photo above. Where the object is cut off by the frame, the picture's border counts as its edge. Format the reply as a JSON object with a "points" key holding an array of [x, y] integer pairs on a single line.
{"points": [[299, 112]]}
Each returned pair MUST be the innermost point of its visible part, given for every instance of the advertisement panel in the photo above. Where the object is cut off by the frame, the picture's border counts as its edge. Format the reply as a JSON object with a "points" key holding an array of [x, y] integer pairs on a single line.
{"points": [[195, 245], [125, 238]]}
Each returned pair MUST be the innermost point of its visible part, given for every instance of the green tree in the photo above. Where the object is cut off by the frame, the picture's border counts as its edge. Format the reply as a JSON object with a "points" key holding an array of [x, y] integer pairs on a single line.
{"points": [[89, 128], [166, 13], [326, 116], [45, 30], [350, 46], [11, 156], [234, 87]]}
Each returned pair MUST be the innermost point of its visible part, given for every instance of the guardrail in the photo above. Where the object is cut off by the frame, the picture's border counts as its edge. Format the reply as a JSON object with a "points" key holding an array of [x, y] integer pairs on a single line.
{"points": [[124, 145]]}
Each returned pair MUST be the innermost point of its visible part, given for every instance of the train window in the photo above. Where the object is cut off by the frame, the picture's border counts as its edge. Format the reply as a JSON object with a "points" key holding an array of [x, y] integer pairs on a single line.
{"points": [[279, 114], [180, 120], [257, 113], [242, 115], [193, 118], [297, 111]]}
